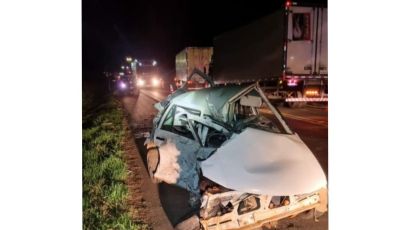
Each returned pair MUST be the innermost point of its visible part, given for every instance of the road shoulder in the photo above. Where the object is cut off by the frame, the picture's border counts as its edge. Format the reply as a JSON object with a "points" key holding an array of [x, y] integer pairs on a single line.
{"points": [[144, 196]]}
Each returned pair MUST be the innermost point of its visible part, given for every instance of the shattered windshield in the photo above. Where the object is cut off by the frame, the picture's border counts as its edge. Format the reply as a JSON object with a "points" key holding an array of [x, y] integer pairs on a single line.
{"points": [[258, 122]]}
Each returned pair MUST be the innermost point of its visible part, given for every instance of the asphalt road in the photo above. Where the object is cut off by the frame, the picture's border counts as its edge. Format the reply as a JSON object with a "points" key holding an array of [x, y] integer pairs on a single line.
{"points": [[309, 123]]}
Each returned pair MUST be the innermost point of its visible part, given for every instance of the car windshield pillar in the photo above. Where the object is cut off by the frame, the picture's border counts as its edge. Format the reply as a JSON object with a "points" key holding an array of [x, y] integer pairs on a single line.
{"points": [[245, 110]]}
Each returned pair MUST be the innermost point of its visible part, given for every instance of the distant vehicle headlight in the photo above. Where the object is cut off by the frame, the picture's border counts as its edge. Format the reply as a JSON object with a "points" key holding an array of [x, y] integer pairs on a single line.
{"points": [[123, 85], [140, 82], [155, 82]]}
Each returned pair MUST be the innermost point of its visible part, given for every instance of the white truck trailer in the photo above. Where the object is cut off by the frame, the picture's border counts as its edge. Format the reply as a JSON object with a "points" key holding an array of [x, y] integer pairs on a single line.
{"points": [[285, 51]]}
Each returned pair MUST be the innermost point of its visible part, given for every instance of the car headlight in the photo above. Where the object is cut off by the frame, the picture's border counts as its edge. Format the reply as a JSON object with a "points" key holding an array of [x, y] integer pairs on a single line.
{"points": [[140, 82], [123, 85]]}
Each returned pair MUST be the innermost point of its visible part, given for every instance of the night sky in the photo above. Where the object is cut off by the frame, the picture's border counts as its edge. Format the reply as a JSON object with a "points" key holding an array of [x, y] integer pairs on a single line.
{"points": [[112, 29]]}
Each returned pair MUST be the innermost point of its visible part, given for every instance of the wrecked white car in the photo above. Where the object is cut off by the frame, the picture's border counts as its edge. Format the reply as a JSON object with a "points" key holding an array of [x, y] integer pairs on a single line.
{"points": [[232, 150]]}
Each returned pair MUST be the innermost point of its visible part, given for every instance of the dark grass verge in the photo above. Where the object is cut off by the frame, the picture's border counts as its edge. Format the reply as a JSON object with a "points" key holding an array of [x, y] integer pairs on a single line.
{"points": [[105, 191]]}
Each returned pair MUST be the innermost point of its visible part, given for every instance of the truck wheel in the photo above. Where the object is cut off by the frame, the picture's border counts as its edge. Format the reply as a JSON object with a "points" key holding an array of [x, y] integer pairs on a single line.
{"points": [[297, 104], [278, 103], [293, 104], [302, 103]]}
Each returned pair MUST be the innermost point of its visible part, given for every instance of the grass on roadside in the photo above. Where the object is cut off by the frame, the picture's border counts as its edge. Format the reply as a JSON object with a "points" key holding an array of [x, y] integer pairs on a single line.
{"points": [[104, 170]]}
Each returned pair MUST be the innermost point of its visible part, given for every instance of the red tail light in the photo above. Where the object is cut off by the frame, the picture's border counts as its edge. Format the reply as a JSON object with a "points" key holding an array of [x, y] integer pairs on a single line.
{"points": [[292, 82]]}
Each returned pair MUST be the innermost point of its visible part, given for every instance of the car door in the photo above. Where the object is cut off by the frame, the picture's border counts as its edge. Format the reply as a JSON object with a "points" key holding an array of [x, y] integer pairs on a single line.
{"points": [[178, 148], [175, 125]]}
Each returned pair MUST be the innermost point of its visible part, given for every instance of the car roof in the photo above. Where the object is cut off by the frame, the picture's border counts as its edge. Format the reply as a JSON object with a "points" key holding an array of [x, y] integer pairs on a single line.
{"points": [[208, 100]]}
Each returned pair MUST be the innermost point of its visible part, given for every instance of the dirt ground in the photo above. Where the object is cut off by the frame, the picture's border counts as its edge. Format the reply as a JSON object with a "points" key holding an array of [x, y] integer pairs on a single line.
{"points": [[143, 195]]}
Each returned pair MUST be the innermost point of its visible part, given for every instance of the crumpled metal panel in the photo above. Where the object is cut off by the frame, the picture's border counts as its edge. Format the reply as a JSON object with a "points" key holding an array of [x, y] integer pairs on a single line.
{"points": [[179, 164], [211, 101], [261, 162]]}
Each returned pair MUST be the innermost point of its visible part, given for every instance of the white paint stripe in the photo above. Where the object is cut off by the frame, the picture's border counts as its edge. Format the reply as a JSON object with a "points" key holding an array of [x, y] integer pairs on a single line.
{"points": [[305, 99]]}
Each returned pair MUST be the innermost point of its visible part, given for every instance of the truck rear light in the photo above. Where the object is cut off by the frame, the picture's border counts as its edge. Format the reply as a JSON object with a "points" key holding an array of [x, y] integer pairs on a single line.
{"points": [[311, 92], [292, 82], [287, 4]]}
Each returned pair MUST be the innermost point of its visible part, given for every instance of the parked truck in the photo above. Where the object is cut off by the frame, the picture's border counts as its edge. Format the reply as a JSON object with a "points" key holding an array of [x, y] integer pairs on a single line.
{"points": [[189, 59], [285, 51]]}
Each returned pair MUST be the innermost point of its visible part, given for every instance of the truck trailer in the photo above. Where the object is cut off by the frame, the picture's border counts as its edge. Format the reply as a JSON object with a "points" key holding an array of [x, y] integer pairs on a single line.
{"points": [[189, 59], [286, 52]]}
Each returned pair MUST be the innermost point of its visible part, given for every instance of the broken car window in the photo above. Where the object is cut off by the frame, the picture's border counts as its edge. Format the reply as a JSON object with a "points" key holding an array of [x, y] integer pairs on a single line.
{"points": [[243, 112], [176, 121], [209, 136], [169, 119], [251, 111]]}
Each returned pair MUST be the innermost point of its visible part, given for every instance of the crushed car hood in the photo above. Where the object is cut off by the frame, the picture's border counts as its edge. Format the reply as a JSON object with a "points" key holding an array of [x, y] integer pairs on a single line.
{"points": [[261, 162]]}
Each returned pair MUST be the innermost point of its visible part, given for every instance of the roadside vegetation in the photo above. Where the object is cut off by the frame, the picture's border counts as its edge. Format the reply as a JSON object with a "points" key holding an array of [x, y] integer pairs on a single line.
{"points": [[104, 170]]}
